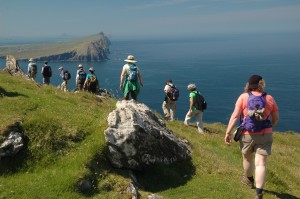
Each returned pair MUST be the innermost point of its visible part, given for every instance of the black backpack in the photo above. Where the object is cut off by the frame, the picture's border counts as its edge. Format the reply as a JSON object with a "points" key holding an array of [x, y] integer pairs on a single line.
{"points": [[200, 103], [47, 72], [67, 75], [173, 93]]}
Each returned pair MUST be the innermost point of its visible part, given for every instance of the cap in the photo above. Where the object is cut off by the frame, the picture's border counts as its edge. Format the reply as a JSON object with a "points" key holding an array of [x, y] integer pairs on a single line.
{"points": [[253, 81]]}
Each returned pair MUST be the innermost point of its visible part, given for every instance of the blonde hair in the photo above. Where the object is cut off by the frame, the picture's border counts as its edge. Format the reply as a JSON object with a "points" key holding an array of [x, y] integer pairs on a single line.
{"points": [[191, 87], [260, 88]]}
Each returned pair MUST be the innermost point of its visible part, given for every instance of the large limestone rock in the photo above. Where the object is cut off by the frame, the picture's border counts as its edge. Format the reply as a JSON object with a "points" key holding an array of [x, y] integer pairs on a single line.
{"points": [[12, 66], [137, 138], [11, 144]]}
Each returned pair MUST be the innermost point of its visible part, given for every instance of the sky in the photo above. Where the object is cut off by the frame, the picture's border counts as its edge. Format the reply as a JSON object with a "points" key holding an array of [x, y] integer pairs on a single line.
{"points": [[127, 19]]}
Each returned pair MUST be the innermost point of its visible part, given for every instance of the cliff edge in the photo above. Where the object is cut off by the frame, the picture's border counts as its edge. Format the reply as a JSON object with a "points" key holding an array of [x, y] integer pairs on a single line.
{"points": [[91, 48]]}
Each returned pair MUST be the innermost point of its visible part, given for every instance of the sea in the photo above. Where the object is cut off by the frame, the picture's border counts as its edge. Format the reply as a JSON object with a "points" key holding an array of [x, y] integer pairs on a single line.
{"points": [[219, 65]]}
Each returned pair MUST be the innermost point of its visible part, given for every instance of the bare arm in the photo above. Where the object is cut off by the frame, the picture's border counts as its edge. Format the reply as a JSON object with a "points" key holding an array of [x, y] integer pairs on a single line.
{"points": [[233, 119], [140, 77], [122, 78], [275, 118]]}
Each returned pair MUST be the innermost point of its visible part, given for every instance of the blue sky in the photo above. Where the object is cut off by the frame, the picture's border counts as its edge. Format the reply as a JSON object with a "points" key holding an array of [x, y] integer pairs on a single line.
{"points": [[146, 19]]}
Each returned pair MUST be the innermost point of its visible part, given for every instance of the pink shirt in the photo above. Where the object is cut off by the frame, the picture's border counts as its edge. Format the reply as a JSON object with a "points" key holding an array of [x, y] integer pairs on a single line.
{"points": [[271, 107]]}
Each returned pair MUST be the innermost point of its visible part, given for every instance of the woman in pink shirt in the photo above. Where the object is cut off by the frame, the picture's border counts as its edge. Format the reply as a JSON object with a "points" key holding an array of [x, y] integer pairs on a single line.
{"points": [[256, 140]]}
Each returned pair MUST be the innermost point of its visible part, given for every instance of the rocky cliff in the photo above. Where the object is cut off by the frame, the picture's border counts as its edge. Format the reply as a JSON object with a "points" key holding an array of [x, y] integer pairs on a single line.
{"points": [[91, 48]]}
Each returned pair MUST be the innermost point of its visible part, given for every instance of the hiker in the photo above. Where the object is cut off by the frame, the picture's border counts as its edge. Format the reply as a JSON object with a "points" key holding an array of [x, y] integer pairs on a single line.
{"points": [[193, 110], [259, 113], [170, 100], [32, 69], [80, 77], [65, 75], [131, 79], [47, 73], [91, 81]]}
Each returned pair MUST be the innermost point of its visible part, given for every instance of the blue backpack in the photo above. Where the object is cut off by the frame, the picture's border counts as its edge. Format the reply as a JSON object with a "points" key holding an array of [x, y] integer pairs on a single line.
{"points": [[254, 120], [132, 76], [82, 77]]}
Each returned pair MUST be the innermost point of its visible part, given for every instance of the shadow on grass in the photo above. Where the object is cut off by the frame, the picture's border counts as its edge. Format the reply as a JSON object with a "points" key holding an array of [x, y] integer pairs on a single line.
{"points": [[281, 195], [162, 177], [154, 179], [3, 93]]}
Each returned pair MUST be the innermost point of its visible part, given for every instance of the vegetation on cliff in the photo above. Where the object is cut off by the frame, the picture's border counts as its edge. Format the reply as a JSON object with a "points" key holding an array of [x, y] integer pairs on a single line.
{"points": [[65, 144], [91, 48]]}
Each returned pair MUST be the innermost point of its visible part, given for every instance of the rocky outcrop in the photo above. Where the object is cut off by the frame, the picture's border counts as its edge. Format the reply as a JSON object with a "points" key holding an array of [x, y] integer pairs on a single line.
{"points": [[96, 49], [137, 139], [11, 144], [12, 66]]}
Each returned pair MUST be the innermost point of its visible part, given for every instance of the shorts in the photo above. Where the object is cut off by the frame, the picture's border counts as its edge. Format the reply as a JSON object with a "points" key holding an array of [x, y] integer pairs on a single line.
{"points": [[258, 144]]}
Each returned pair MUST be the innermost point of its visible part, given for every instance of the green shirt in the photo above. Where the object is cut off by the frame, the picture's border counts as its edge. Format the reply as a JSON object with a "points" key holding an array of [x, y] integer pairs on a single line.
{"points": [[193, 95]]}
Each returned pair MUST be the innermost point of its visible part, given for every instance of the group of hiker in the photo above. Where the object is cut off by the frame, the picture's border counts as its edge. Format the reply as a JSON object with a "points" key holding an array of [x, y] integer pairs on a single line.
{"points": [[256, 110], [131, 81], [83, 80]]}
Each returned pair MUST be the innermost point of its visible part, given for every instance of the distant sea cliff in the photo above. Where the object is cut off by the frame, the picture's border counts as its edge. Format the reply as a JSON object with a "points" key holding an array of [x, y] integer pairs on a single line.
{"points": [[91, 48]]}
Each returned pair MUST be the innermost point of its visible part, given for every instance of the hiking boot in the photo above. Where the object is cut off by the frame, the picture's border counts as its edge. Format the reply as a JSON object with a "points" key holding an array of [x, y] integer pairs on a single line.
{"points": [[247, 182], [167, 118], [258, 196]]}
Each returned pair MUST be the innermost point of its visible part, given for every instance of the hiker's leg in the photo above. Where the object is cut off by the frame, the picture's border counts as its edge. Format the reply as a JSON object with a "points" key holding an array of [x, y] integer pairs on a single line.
{"points": [[187, 119], [172, 109], [199, 122], [133, 95], [165, 109], [260, 170], [126, 97], [248, 164]]}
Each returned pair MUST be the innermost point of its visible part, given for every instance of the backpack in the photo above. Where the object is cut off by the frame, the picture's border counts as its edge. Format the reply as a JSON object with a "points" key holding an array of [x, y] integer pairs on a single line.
{"points": [[93, 79], [173, 93], [67, 75], [47, 72], [132, 76], [200, 102], [33, 68], [92, 85], [254, 120], [82, 77]]}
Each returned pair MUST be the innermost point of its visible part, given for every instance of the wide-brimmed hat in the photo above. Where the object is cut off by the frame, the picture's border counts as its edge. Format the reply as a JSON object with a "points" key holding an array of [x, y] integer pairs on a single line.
{"points": [[253, 81], [91, 69], [130, 58], [60, 68], [31, 59]]}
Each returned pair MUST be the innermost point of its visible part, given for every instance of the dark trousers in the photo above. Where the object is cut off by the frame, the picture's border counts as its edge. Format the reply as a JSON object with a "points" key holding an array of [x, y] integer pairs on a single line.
{"points": [[133, 95]]}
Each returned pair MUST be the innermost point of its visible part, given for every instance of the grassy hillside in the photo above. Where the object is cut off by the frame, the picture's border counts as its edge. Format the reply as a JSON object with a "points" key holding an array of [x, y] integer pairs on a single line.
{"points": [[65, 143]]}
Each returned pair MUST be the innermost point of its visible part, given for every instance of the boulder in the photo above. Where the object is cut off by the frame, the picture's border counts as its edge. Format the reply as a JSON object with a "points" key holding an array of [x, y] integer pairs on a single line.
{"points": [[11, 144], [137, 138], [12, 66]]}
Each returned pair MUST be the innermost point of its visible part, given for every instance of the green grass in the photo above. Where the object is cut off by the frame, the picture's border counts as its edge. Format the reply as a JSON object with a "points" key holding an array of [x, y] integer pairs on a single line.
{"points": [[65, 144]]}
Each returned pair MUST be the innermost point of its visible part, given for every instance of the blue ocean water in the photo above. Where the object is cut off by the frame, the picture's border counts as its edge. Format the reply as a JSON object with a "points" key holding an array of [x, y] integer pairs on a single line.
{"points": [[219, 66]]}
